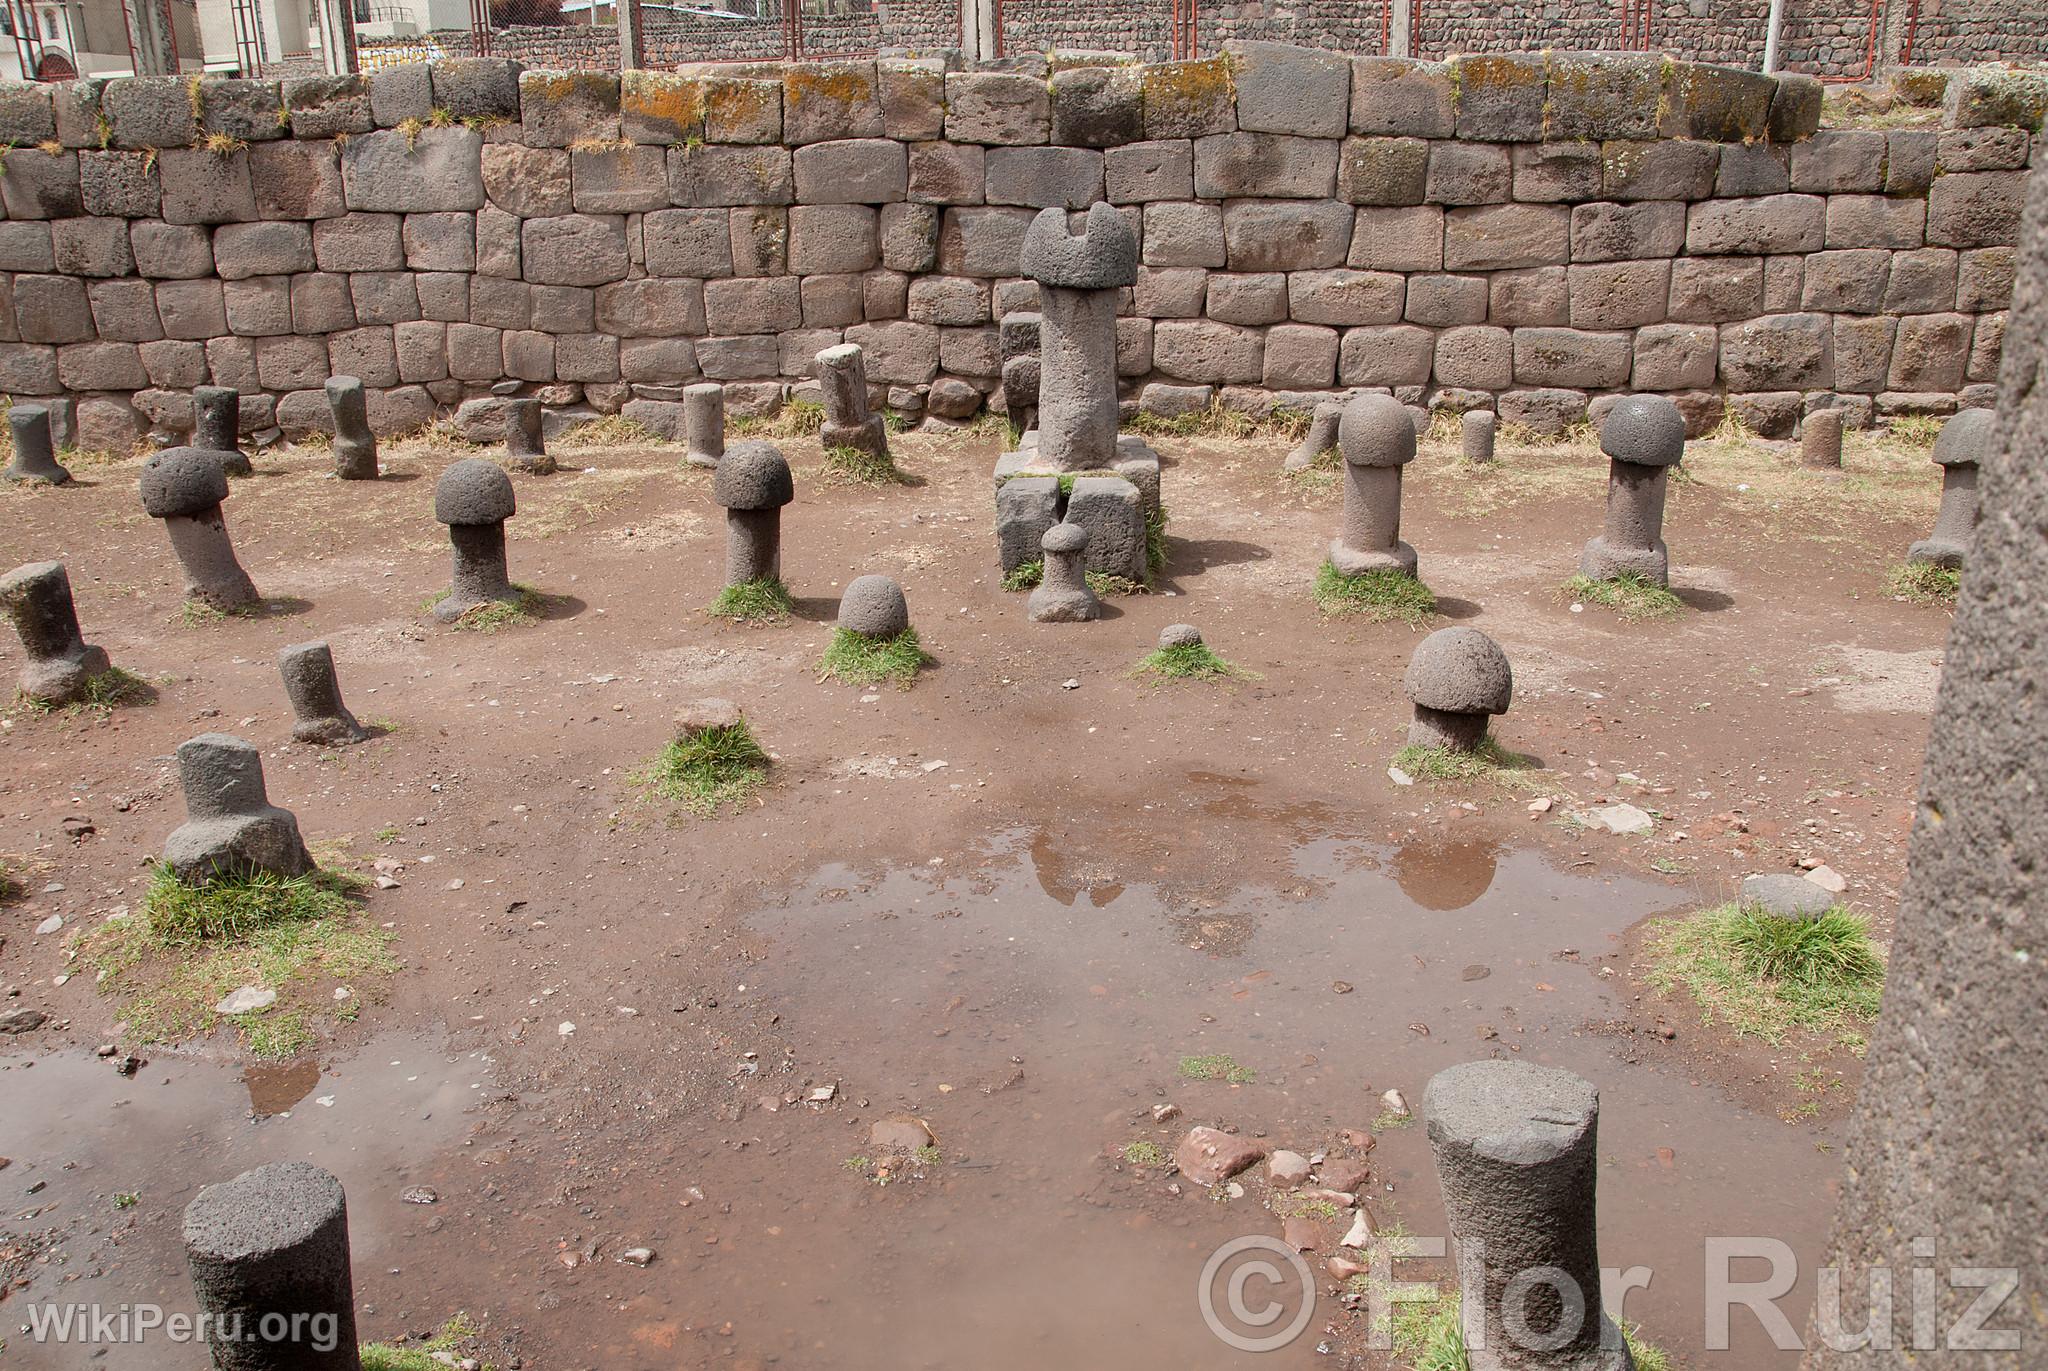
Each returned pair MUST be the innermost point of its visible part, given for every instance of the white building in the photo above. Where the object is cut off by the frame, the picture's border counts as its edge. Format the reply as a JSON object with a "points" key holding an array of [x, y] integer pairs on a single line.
{"points": [[57, 39]]}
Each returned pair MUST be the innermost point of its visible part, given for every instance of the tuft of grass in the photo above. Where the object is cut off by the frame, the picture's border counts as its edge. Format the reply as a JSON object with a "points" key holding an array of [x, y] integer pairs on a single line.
{"points": [[1924, 583], [1379, 595], [707, 772], [1488, 761], [1218, 422], [1216, 1066], [410, 128], [1765, 976], [1106, 583], [127, 1199], [1155, 540], [1025, 576], [796, 419], [614, 430], [1915, 430], [1429, 1336], [856, 467], [104, 693], [1628, 595], [860, 660], [1145, 1152], [753, 602], [498, 614], [225, 144], [382, 1356], [188, 946], [1186, 662]]}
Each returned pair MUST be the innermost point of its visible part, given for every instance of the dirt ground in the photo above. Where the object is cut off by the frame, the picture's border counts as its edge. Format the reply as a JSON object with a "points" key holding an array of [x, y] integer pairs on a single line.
{"points": [[1008, 902]]}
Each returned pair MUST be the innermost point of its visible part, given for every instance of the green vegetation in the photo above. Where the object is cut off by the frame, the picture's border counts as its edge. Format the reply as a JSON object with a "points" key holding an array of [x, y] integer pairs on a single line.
{"points": [[189, 946], [860, 660], [1924, 583], [1109, 583], [1145, 1152], [1217, 1066], [127, 1199], [1218, 422], [1186, 662], [1025, 576], [796, 419], [1915, 430], [753, 602], [382, 1356], [855, 466], [498, 614], [708, 771], [1488, 760], [1155, 540], [1765, 976], [1628, 595], [1429, 1337], [1379, 595], [104, 694]]}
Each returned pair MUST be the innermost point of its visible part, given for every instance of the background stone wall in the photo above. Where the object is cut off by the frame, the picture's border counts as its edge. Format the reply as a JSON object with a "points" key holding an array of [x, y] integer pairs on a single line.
{"points": [[1531, 233]]}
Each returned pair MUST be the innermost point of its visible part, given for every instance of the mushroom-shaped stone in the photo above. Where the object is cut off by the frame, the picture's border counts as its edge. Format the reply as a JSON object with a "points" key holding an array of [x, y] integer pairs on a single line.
{"points": [[318, 714], [1063, 595], [1377, 437], [183, 486], [355, 446], [217, 427], [1179, 635], [474, 498], [1078, 279], [269, 1249], [35, 455], [1103, 256], [704, 424], [1965, 441], [526, 448], [230, 827], [61, 664], [874, 607], [1457, 680], [753, 483], [1644, 436]]}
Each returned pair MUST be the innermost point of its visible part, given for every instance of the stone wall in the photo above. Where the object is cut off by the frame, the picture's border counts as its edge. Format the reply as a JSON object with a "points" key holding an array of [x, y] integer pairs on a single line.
{"points": [[1531, 233]]}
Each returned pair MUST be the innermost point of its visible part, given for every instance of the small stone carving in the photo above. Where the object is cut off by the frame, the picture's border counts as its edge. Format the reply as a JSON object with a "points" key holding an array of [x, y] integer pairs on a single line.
{"points": [[270, 1247], [753, 483], [35, 456], [1063, 596], [843, 377], [1965, 441], [1476, 429], [526, 448], [318, 714], [355, 447], [217, 427], [474, 498], [1017, 337], [873, 606], [1820, 439], [1179, 635], [1516, 1150], [230, 827], [183, 486], [61, 664], [703, 423], [1377, 437], [1320, 438], [1457, 680], [1644, 436]]}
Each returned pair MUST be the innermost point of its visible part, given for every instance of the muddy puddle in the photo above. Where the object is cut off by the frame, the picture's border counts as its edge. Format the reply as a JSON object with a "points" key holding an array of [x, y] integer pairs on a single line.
{"points": [[104, 1164], [1035, 1009]]}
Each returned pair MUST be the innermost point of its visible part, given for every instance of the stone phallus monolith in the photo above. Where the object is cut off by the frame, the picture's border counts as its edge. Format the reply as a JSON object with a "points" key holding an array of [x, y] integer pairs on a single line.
{"points": [[268, 1255], [1820, 439], [61, 664], [1476, 430], [1062, 595], [526, 448], [474, 498], [1644, 437], [355, 447], [703, 424], [1457, 680], [1377, 437], [1078, 279], [1320, 438], [35, 455], [318, 715], [217, 427], [1516, 1151], [843, 378], [873, 606], [230, 827], [753, 483], [1964, 442], [183, 486]]}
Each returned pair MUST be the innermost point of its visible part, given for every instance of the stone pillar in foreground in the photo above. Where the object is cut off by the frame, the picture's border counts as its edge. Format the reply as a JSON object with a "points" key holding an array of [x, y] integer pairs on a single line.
{"points": [[1644, 437], [474, 498], [61, 664], [1377, 438], [1517, 1151], [1950, 1136], [268, 1253], [1078, 279], [183, 486]]}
